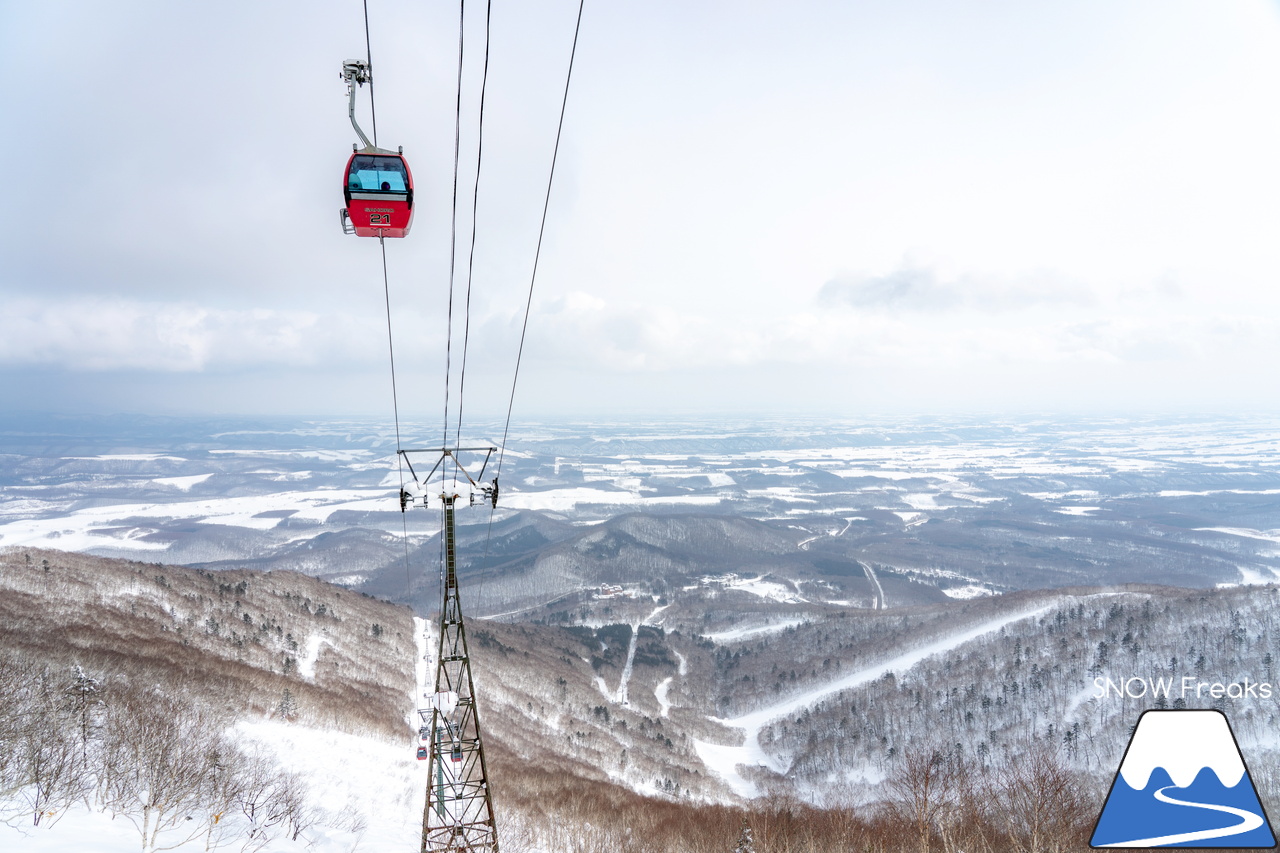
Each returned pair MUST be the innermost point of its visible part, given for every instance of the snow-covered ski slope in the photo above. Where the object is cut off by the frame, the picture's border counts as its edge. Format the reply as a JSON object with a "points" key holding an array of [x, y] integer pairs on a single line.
{"points": [[727, 760]]}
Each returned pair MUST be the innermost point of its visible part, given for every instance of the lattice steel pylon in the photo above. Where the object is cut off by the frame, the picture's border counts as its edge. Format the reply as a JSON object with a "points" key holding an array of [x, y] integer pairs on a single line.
{"points": [[458, 815]]}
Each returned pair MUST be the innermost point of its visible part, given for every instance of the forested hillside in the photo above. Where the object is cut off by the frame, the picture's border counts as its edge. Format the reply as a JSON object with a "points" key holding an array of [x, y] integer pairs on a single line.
{"points": [[127, 688], [651, 723]]}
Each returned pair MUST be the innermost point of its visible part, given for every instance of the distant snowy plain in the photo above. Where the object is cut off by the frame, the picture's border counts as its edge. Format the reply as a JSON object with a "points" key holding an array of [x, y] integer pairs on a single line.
{"points": [[196, 493]]}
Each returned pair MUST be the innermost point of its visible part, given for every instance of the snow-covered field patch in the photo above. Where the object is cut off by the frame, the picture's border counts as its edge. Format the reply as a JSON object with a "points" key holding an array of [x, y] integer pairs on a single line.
{"points": [[182, 483], [966, 592]]}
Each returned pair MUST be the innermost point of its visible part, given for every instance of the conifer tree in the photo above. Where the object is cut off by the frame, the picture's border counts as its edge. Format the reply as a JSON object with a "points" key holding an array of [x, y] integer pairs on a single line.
{"points": [[82, 699], [288, 707]]}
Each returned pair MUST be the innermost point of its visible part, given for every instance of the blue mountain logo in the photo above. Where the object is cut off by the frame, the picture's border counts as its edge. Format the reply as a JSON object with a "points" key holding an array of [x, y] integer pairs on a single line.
{"points": [[1183, 783]]}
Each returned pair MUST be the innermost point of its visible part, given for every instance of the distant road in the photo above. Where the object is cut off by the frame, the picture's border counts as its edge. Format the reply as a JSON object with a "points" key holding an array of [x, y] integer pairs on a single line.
{"points": [[881, 604]]}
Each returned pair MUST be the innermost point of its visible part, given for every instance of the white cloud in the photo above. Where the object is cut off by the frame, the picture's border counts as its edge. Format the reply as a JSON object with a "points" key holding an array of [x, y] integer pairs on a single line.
{"points": [[920, 289], [1021, 195], [634, 337], [121, 334]]}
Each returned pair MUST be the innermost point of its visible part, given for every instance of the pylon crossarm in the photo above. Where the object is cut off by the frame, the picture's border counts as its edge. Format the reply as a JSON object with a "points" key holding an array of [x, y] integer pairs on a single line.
{"points": [[482, 492]]}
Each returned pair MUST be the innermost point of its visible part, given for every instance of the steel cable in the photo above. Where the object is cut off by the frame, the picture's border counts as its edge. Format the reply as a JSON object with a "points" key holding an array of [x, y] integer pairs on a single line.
{"points": [[541, 230], [368, 52], [475, 204], [542, 227], [453, 240]]}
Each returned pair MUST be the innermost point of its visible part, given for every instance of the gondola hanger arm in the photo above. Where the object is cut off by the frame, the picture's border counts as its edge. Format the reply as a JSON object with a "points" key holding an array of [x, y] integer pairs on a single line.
{"points": [[356, 72]]}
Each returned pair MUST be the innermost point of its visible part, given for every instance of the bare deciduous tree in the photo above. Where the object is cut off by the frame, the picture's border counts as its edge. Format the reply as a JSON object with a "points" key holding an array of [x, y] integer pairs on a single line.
{"points": [[160, 755], [262, 800], [52, 768], [924, 789], [1044, 808]]}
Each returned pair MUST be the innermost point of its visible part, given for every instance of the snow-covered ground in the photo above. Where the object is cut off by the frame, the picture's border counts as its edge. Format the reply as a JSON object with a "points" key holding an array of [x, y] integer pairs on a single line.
{"points": [[367, 793], [1077, 510], [372, 793], [1246, 532], [967, 591], [310, 655], [1252, 577], [660, 693], [770, 590]]}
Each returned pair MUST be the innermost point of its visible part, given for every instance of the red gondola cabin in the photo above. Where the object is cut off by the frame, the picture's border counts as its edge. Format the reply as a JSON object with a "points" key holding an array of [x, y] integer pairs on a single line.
{"points": [[379, 193]]}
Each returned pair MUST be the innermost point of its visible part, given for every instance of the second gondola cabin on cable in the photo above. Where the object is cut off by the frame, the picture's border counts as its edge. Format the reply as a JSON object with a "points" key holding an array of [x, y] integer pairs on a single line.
{"points": [[377, 183]]}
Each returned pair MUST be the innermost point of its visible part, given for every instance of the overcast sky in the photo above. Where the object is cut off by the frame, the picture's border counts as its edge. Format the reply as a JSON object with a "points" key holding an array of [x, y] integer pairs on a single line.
{"points": [[811, 207]]}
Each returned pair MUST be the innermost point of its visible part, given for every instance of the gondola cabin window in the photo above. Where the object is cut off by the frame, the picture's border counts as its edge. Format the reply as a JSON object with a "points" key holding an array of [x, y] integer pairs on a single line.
{"points": [[373, 173]]}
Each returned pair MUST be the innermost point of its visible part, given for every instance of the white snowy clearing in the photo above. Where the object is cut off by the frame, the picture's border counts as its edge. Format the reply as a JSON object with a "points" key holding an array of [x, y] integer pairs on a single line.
{"points": [[372, 792], [967, 592], [1254, 577], [759, 585], [726, 760], [660, 692], [311, 654]]}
